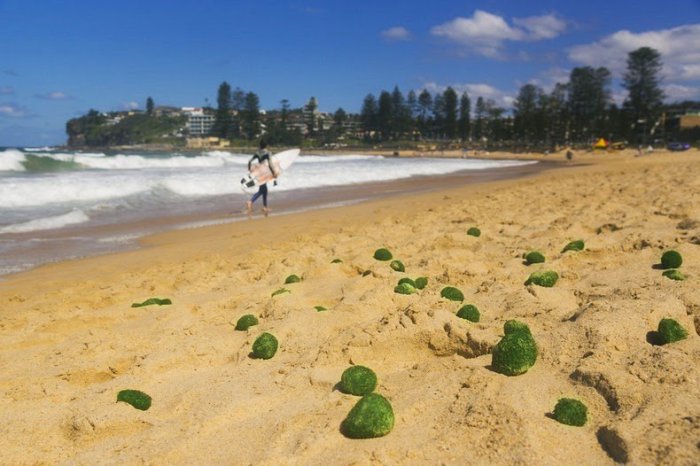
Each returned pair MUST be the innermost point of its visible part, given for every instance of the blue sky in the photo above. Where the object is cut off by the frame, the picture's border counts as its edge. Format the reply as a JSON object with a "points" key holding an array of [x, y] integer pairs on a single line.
{"points": [[58, 59]]}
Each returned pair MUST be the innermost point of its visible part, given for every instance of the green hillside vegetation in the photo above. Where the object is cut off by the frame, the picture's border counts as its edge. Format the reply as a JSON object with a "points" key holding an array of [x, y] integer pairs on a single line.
{"points": [[97, 129]]}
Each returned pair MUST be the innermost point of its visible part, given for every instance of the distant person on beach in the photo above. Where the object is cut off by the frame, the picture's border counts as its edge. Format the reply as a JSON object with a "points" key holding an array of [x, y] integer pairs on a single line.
{"points": [[262, 156]]}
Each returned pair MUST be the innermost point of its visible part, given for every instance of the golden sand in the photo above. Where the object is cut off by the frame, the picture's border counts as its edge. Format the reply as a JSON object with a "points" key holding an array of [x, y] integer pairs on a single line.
{"points": [[69, 340]]}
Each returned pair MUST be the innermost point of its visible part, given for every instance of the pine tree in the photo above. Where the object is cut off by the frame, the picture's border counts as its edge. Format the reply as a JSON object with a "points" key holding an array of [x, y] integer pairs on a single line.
{"points": [[643, 83], [525, 109], [368, 115], [149, 106], [310, 115], [222, 118], [450, 101], [385, 115], [465, 117], [251, 116], [425, 106]]}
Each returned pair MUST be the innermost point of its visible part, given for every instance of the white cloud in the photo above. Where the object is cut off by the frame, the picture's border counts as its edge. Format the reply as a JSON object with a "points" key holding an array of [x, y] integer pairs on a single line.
{"points": [[541, 27], [475, 90], [6, 90], [56, 95], [13, 110], [676, 92], [396, 33], [484, 33], [129, 105], [678, 47]]}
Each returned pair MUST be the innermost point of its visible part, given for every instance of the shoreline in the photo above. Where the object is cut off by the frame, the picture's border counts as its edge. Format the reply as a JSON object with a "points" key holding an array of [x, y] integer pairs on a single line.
{"points": [[217, 210], [71, 340]]}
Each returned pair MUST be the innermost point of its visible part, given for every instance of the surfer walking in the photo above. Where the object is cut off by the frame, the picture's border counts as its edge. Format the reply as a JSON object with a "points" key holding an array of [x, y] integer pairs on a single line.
{"points": [[261, 156]]}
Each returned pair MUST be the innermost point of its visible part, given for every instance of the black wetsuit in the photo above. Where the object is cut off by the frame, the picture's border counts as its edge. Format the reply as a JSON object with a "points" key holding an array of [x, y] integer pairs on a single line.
{"points": [[262, 156]]}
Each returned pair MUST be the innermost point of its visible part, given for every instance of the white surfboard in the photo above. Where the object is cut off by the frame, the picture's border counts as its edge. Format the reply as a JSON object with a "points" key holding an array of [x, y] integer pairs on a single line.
{"points": [[260, 173]]}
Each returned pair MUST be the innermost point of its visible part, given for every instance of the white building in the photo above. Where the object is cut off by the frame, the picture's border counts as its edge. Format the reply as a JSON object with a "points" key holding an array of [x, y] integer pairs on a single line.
{"points": [[198, 122]]}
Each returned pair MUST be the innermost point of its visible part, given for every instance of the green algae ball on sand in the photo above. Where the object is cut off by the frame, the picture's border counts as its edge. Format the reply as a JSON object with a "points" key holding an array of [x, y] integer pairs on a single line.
{"points": [[292, 279], [670, 330], [246, 322], [421, 282], [534, 257], [407, 280], [404, 288], [397, 266], [513, 326], [371, 417], [383, 254], [469, 312], [577, 245], [452, 293], [514, 354], [671, 260], [571, 412], [135, 398], [152, 301], [674, 274], [358, 380], [265, 346], [474, 231], [546, 278]]}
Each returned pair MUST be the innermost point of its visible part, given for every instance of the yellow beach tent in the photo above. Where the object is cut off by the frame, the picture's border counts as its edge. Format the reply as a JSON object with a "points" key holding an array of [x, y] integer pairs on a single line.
{"points": [[602, 144]]}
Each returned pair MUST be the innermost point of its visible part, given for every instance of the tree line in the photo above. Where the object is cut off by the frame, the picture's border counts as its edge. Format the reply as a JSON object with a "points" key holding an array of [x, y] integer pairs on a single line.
{"points": [[576, 111]]}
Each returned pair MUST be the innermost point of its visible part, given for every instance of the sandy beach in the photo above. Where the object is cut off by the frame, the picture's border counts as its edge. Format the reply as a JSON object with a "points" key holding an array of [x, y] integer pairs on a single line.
{"points": [[71, 341]]}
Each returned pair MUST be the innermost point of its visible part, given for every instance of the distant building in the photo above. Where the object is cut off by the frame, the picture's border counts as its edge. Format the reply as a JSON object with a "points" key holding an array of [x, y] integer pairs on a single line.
{"points": [[199, 123], [165, 110], [206, 143], [690, 120]]}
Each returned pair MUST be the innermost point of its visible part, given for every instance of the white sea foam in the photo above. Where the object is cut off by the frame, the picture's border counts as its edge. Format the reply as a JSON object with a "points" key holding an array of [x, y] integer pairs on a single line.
{"points": [[138, 162], [65, 189], [49, 223], [37, 149], [11, 160]]}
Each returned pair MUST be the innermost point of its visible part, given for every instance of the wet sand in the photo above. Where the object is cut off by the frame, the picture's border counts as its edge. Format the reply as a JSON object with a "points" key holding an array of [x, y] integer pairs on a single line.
{"points": [[124, 230]]}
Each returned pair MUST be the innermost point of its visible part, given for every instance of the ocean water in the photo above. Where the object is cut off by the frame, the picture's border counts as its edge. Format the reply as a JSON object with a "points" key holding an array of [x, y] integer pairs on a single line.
{"points": [[44, 191]]}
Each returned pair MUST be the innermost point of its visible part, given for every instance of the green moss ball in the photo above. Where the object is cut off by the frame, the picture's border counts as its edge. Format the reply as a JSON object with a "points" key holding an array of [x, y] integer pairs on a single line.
{"points": [[371, 417], [421, 282], [397, 265], [407, 280], [265, 346], [534, 257], [474, 231], [514, 354], [570, 412], [673, 274], [405, 288], [513, 326], [292, 279], [135, 398], [546, 278], [358, 380], [469, 312], [671, 260], [670, 330], [577, 245], [383, 254], [246, 322], [452, 293]]}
